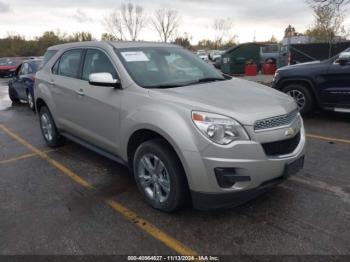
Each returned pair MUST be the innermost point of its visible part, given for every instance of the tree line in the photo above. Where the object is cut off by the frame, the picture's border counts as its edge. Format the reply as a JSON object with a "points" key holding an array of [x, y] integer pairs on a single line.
{"points": [[129, 20]]}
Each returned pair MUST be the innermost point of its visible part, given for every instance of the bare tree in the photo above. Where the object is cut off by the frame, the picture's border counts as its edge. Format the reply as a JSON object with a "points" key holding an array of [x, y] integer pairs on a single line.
{"points": [[127, 22], [223, 31], [336, 3], [328, 26], [166, 22]]}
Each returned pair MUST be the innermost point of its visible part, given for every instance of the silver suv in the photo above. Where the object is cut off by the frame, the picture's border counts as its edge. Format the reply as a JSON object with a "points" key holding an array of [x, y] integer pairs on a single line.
{"points": [[186, 132]]}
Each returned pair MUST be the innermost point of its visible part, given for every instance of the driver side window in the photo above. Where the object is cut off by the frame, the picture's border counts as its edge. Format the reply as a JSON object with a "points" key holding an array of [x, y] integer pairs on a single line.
{"points": [[97, 61]]}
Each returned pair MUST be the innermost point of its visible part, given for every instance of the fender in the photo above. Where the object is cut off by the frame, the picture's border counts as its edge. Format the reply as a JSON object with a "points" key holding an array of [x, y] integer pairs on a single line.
{"points": [[174, 124], [283, 82]]}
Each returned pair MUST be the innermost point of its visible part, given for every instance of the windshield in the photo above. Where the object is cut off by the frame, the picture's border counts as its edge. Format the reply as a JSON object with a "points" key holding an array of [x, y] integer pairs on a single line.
{"points": [[165, 67], [48, 55]]}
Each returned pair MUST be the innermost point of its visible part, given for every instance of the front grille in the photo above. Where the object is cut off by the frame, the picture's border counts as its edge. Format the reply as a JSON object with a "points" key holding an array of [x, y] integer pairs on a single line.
{"points": [[275, 122], [284, 147]]}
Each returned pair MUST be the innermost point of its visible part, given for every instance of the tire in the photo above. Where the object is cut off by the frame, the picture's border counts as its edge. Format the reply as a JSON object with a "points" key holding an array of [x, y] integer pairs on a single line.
{"points": [[171, 176], [49, 129], [30, 100], [301, 93], [13, 95]]}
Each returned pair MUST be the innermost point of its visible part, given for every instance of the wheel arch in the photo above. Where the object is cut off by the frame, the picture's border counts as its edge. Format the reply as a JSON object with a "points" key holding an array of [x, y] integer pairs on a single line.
{"points": [[39, 103], [301, 81], [142, 135]]}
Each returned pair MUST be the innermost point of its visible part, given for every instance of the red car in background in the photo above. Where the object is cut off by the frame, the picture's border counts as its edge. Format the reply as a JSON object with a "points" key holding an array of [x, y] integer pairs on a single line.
{"points": [[8, 65]]}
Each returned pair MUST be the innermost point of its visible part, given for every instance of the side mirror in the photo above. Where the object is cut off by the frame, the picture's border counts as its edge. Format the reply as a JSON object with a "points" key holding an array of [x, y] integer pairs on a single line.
{"points": [[344, 58], [103, 79]]}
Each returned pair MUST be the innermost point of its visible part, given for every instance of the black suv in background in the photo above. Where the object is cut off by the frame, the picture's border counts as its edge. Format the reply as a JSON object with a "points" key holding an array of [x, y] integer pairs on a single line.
{"points": [[323, 84]]}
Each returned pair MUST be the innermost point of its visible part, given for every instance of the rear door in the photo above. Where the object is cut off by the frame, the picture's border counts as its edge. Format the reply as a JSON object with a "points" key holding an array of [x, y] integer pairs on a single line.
{"points": [[99, 107], [65, 86], [337, 86]]}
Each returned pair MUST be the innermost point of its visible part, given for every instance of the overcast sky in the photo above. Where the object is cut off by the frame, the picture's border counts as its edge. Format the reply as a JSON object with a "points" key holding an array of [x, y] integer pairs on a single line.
{"points": [[262, 18]]}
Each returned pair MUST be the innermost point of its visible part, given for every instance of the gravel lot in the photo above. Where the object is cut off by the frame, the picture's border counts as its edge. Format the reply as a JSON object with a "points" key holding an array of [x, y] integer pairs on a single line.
{"points": [[72, 201]]}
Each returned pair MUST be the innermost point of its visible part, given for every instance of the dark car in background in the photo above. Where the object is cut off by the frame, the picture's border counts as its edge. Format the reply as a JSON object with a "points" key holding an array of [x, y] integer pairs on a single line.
{"points": [[21, 86], [321, 84]]}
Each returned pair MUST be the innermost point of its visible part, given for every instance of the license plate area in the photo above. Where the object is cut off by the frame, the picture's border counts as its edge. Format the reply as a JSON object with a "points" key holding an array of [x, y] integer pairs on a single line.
{"points": [[294, 167]]}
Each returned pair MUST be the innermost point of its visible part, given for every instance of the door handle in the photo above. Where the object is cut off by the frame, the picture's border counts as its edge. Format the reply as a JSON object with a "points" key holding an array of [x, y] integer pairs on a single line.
{"points": [[52, 82], [80, 92]]}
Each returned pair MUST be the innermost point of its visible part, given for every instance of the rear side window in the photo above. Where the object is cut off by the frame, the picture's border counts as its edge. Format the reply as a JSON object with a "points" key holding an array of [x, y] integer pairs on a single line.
{"points": [[48, 55], [69, 63], [97, 61]]}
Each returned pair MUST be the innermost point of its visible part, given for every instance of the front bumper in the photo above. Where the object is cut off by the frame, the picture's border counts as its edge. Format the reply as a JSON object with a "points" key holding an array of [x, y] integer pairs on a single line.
{"points": [[248, 159], [205, 201]]}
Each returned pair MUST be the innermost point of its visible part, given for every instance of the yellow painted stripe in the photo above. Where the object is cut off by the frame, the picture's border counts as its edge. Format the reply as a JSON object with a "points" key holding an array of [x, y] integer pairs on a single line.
{"points": [[127, 213], [329, 139], [152, 230], [25, 156]]}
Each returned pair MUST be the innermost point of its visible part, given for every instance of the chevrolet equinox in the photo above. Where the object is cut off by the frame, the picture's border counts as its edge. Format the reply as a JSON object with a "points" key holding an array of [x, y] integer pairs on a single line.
{"points": [[187, 132]]}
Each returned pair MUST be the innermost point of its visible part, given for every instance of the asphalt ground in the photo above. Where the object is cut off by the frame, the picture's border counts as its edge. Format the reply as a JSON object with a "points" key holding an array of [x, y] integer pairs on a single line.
{"points": [[72, 201]]}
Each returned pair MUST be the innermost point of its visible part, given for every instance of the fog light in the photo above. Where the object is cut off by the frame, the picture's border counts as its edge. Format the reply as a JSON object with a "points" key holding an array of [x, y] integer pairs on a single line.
{"points": [[228, 177]]}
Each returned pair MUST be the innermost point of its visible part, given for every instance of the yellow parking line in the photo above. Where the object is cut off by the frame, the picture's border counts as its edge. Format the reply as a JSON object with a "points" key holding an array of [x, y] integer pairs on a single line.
{"points": [[25, 156], [329, 139], [127, 213]]}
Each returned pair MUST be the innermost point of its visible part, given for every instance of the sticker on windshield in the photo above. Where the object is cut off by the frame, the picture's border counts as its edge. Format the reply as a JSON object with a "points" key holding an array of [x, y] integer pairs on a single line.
{"points": [[137, 56]]}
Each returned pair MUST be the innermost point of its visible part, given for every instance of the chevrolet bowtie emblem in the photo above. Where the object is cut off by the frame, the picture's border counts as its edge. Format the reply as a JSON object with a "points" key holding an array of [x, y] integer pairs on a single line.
{"points": [[290, 132]]}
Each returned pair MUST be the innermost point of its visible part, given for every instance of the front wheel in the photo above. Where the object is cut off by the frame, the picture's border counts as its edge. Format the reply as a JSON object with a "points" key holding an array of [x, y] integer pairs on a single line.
{"points": [[160, 176], [302, 97], [49, 129]]}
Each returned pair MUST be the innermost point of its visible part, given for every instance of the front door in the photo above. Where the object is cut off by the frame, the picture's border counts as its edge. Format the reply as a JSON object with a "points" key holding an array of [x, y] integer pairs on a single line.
{"points": [[337, 85], [19, 81], [99, 107]]}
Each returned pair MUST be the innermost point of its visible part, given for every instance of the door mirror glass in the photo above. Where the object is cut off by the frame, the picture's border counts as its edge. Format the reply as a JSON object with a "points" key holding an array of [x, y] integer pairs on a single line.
{"points": [[344, 58], [103, 79]]}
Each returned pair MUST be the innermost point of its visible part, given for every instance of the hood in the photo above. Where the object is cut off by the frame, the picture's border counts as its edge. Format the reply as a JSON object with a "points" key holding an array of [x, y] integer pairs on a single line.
{"points": [[243, 100], [304, 65]]}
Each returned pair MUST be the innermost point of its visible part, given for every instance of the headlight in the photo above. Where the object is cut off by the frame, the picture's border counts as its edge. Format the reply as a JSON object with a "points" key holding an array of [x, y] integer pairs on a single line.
{"points": [[220, 129], [276, 75]]}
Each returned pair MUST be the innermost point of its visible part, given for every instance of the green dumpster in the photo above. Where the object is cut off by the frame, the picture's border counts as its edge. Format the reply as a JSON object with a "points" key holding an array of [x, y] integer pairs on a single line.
{"points": [[234, 59]]}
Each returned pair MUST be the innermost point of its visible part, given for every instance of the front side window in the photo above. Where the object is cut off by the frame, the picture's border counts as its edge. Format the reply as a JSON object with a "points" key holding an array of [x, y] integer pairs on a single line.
{"points": [[69, 63], [97, 61], [165, 67]]}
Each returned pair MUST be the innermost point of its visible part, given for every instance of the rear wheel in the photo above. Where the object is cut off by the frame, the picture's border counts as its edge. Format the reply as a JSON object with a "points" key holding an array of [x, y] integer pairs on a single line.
{"points": [[159, 176], [30, 100], [302, 97], [49, 129], [13, 95]]}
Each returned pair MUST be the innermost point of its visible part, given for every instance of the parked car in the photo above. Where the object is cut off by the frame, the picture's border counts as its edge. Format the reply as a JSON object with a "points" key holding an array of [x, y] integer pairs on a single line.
{"points": [[321, 84], [203, 55], [215, 54], [8, 66], [21, 86], [220, 140]]}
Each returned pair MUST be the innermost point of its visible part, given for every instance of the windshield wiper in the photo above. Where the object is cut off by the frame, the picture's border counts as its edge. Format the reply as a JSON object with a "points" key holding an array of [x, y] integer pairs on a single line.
{"points": [[210, 79], [201, 80]]}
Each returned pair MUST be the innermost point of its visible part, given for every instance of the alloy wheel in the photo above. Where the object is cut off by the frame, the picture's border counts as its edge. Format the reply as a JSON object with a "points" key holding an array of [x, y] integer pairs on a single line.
{"points": [[154, 178], [299, 98], [30, 100], [46, 126]]}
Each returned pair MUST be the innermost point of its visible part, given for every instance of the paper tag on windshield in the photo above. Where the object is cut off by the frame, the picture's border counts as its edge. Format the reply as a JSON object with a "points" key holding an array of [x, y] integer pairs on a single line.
{"points": [[137, 56]]}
